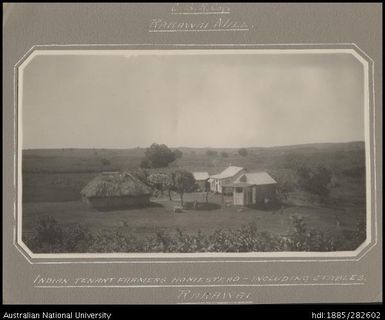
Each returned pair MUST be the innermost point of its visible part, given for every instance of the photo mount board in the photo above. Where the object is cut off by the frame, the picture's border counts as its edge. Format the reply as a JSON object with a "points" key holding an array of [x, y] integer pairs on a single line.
{"points": [[175, 279]]}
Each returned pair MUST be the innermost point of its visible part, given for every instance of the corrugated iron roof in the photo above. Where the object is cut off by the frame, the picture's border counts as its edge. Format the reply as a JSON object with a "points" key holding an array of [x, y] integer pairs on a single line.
{"points": [[228, 172], [201, 175], [255, 178]]}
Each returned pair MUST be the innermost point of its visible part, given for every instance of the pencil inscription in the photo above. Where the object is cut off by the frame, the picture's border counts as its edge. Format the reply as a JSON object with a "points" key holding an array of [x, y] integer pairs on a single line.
{"points": [[210, 18]]}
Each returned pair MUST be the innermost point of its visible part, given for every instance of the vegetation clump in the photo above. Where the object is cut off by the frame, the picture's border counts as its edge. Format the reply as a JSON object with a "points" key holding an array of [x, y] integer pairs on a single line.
{"points": [[52, 237]]}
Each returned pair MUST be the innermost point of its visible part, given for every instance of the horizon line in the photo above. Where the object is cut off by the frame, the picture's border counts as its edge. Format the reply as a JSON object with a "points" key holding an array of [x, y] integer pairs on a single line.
{"points": [[202, 147]]}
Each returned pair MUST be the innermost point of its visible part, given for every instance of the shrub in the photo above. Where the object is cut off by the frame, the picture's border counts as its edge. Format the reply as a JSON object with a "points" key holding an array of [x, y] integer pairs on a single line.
{"points": [[50, 236], [356, 236], [304, 239]]}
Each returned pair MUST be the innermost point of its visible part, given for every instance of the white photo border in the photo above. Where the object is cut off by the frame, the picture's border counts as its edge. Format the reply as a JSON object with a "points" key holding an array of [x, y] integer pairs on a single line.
{"points": [[249, 257]]}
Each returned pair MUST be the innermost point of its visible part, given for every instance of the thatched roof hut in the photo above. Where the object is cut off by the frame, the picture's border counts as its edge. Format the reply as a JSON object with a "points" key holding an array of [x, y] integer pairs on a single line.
{"points": [[112, 190]]}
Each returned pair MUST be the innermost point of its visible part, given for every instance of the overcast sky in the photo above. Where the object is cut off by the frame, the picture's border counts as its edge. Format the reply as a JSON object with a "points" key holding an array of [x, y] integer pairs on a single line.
{"points": [[237, 100]]}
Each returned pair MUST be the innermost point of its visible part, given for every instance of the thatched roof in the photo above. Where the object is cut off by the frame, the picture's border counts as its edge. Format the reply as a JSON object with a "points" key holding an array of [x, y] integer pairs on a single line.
{"points": [[115, 185]]}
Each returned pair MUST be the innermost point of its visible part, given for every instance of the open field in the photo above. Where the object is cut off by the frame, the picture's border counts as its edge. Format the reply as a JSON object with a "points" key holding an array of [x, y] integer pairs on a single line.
{"points": [[160, 216], [52, 180], [54, 175]]}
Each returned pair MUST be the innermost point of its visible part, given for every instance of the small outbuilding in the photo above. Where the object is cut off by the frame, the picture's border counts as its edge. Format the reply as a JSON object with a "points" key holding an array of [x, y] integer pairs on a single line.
{"points": [[253, 188], [202, 179], [116, 190]]}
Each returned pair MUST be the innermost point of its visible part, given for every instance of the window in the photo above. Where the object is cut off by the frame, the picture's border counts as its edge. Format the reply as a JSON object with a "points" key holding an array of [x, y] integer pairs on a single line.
{"points": [[238, 190]]}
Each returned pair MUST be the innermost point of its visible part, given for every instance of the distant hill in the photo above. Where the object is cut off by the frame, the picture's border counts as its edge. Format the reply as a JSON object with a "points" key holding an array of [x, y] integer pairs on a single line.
{"points": [[139, 151]]}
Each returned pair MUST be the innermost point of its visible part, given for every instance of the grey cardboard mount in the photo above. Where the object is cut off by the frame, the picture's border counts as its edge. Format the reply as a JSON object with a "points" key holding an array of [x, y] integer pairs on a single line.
{"points": [[259, 281]]}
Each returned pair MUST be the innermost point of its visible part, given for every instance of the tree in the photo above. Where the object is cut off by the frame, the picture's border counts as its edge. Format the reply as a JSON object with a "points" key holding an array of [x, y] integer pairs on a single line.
{"points": [[162, 182], [158, 156], [207, 185], [243, 152], [224, 154], [283, 189], [141, 174], [183, 182], [315, 181]]}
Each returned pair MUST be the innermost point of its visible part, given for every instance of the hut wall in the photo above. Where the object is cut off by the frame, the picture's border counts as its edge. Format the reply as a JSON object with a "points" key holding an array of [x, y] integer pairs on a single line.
{"points": [[119, 202]]}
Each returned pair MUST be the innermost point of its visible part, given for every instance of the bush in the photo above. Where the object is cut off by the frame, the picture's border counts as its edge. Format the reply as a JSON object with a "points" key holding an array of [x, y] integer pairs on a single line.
{"points": [[356, 236], [304, 239], [51, 237]]}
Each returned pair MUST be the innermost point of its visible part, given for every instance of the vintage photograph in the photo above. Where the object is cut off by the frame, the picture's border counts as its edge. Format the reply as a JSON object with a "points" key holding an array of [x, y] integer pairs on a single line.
{"points": [[192, 151]]}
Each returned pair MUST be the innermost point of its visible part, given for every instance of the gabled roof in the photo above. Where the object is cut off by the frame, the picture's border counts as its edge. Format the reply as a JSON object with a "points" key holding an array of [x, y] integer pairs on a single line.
{"points": [[255, 178], [115, 185], [228, 172], [201, 175]]}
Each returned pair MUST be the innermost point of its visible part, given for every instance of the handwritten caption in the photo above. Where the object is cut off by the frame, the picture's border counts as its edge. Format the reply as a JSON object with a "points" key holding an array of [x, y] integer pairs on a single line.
{"points": [[214, 289], [329, 279], [201, 17]]}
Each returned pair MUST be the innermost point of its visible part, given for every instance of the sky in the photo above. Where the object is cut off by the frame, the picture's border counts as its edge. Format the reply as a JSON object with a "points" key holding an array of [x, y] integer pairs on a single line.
{"points": [[191, 100]]}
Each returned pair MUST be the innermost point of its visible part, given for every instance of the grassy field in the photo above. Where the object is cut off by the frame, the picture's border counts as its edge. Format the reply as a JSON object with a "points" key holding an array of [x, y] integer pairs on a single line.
{"points": [[52, 180], [160, 216]]}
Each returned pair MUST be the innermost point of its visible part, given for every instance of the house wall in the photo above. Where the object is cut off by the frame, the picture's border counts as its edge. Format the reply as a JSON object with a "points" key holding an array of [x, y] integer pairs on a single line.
{"points": [[244, 197], [254, 195], [118, 202], [216, 184]]}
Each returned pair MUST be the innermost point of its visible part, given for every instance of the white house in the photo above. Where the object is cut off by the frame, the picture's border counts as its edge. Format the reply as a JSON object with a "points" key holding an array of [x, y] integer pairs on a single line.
{"points": [[221, 183], [253, 188]]}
